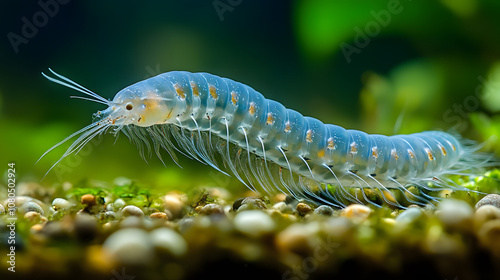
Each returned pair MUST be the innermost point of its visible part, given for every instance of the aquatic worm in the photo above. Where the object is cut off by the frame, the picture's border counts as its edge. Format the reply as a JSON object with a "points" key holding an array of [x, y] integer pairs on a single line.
{"points": [[268, 147]]}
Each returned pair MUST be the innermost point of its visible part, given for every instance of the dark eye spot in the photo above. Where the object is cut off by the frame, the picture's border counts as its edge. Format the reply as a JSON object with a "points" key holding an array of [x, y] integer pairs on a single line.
{"points": [[129, 106]]}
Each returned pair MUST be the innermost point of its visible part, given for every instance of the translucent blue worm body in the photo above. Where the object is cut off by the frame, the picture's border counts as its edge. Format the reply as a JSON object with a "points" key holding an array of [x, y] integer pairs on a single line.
{"points": [[264, 144]]}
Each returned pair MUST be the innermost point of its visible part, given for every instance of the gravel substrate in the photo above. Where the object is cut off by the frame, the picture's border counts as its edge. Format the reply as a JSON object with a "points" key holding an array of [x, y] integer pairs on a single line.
{"points": [[121, 232]]}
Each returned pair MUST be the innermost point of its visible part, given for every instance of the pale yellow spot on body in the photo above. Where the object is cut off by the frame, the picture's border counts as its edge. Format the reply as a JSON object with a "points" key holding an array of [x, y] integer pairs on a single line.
{"points": [[234, 98], [375, 152], [195, 89], [180, 91], [394, 154], [410, 152], [309, 136], [252, 108], [288, 127], [429, 153], [443, 150], [270, 119], [321, 153], [213, 92], [331, 144], [354, 149]]}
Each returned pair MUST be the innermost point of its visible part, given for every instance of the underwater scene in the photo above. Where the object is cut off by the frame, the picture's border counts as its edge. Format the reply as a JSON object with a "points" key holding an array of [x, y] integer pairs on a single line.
{"points": [[238, 139]]}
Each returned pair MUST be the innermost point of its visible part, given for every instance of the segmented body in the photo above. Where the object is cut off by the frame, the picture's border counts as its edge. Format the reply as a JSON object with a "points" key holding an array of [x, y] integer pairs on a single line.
{"points": [[265, 144]]}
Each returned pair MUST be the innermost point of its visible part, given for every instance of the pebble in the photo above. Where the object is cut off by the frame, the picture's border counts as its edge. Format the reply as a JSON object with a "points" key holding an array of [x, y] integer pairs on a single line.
{"points": [[299, 237], [86, 227], [303, 209], [280, 197], [491, 199], [253, 223], [132, 222], [119, 204], [110, 207], [36, 228], [173, 203], [34, 217], [324, 210], [130, 246], [489, 236], [211, 209], [54, 230], [251, 203], [169, 240], [409, 215], [454, 213], [2, 209], [131, 210], [338, 227], [280, 206], [484, 214], [31, 206], [356, 212], [110, 215], [159, 215], [59, 204], [89, 200]]}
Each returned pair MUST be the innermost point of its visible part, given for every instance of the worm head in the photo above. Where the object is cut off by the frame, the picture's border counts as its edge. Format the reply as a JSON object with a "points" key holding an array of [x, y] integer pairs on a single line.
{"points": [[141, 106]]}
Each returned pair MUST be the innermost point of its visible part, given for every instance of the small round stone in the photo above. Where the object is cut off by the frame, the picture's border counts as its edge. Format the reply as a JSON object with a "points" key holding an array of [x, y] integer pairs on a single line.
{"points": [[110, 207], [484, 214], [253, 223], [303, 209], [252, 203], [130, 246], [89, 200], [489, 236], [173, 203], [54, 229], [491, 199], [131, 210], [36, 228], [211, 209], [59, 204], [280, 206], [454, 212], [110, 215], [280, 197], [324, 210], [356, 212], [31, 206], [33, 217], [168, 240], [299, 237], [409, 215], [119, 204], [85, 226], [159, 215]]}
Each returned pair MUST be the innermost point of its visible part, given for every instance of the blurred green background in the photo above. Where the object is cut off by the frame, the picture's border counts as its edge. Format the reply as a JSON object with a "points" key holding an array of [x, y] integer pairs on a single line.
{"points": [[379, 66]]}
